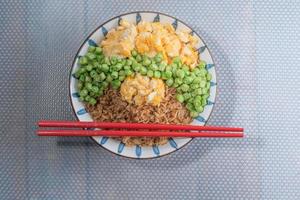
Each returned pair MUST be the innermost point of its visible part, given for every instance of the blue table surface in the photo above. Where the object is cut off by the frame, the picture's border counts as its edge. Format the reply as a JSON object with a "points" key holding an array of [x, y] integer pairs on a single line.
{"points": [[256, 47]]}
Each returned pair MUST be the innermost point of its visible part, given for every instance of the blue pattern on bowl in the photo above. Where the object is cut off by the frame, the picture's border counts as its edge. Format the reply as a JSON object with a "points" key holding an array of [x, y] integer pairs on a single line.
{"points": [[156, 18], [200, 119], [209, 66], [121, 147], [175, 24], [103, 140], [212, 84], [138, 151], [104, 31], [201, 49], [155, 150], [75, 94], [92, 43], [119, 20], [82, 111], [138, 18], [173, 143]]}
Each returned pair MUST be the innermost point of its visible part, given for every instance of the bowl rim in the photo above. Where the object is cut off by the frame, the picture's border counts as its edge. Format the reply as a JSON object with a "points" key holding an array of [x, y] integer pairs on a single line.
{"points": [[96, 29]]}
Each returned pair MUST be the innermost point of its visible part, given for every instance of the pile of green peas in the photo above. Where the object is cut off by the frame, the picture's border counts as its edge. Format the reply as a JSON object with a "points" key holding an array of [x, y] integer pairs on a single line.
{"points": [[97, 72]]}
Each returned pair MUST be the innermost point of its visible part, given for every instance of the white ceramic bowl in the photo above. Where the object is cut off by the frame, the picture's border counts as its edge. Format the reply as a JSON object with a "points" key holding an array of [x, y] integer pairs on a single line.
{"points": [[116, 146]]}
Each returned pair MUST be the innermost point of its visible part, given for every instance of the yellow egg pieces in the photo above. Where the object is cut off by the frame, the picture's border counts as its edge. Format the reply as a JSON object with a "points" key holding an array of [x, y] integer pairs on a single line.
{"points": [[150, 38], [142, 90]]}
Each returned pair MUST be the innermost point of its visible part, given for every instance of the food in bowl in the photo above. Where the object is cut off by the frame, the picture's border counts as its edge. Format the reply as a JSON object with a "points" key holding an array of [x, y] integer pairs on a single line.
{"points": [[146, 73]]}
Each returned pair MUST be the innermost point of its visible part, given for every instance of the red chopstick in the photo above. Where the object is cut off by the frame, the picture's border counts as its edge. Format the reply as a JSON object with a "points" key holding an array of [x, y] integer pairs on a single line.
{"points": [[116, 125], [169, 130], [119, 133]]}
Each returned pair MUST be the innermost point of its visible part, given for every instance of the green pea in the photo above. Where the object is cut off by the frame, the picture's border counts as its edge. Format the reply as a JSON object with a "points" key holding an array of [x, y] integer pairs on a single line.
{"points": [[168, 74], [100, 58], [162, 66], [163, 76], [104, 84], [89, 86], [104, 67], [83, 60], [170, 82], [80, 85], [153, 67], [88, 79], [143, 70], [202, 83], [83, 93], [187, 96], [123, 62], [195, 86], [205, 96], [188, 80], [92, 101], [175, 85], [157, 74], [90, 56], [87, 98], [184, 87], [198, 91], [204, 102], [180, 73], [128, 62], [122, 73], [137, 67], [199, 109], [82, 78], [192, 75], [176, 60], [202, 73], [146, 61], [190, 106], [180, 98], [168, 68], [114, 75], [109, 78], [202, 64], [127, 67], [91, 49], [98, 50], [115, 84], [113, 60], [102, 76], [134, 53], [95, 89], [138, 58], [107, 61], [178, 81], [197, 80], [194, 114], [82, 70], [97, 78], [117, 67], [150, 73], [121, 78], [89, 67], [208, 76], [93, 73], [158, 57], [128, 72]]}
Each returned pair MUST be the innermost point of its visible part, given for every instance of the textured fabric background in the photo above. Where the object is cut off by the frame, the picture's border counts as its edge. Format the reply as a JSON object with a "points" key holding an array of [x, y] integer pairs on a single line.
{"points": [[256, 47]]}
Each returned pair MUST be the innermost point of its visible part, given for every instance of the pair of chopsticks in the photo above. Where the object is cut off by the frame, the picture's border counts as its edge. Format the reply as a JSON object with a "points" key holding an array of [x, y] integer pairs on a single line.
{"points": [[132, 129]]}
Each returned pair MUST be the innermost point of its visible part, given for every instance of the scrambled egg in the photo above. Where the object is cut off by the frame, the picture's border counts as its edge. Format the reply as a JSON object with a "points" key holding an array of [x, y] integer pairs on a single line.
{"points": [[156, 37], [151, 38], [143, 90], [120, 41]]}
